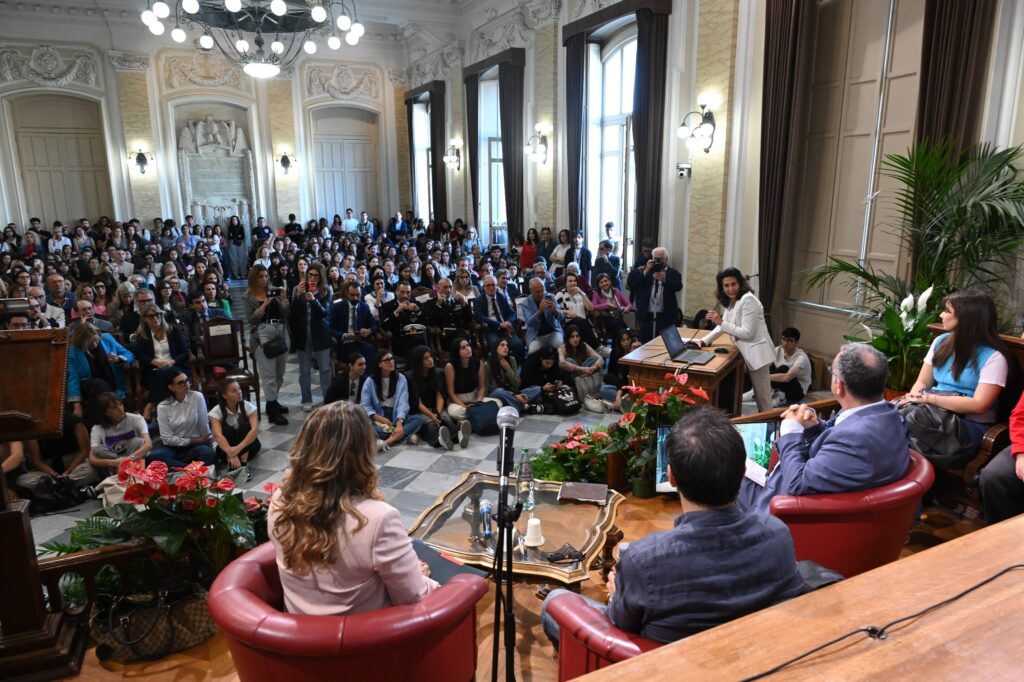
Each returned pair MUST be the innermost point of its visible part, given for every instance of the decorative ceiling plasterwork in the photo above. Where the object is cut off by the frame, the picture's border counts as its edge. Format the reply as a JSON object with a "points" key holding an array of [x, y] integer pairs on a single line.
{"points": [[204, 70], [435, 66], [581, 8], [129, 61], [511, 29], [344, 81], [398, 77], [49, 66]]}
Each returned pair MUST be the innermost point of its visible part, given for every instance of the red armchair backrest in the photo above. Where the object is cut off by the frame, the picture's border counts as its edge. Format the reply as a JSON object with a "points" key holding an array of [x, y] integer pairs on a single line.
{"points": [[434, 639], [854, 532]]}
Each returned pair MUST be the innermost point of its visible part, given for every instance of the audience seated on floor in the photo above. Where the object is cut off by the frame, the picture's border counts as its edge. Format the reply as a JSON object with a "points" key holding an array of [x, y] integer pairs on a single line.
{"points": [[718, 563], [791, 371], [863, 446]]}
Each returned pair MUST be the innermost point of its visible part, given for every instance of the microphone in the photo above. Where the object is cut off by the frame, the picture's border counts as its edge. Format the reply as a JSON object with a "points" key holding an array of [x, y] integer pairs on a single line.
{"points": [[508, 418], [485, 514]]}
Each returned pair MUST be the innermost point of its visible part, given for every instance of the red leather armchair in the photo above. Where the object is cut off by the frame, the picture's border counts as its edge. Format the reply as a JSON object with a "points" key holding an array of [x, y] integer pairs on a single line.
{"points": [[587, 639], [434, 639], [854, 532]]}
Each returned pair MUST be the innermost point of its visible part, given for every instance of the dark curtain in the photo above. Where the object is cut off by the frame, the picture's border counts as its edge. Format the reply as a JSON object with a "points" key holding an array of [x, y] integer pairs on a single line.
{"points": [[412, 153], [576, 128], [510, 101], [787, 27], [438, 147], [954, 64], [473, 142], [648, 121]]}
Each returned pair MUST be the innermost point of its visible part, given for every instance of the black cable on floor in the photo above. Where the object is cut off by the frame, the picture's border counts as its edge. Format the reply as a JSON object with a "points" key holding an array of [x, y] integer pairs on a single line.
{"points": [[875, 632]]}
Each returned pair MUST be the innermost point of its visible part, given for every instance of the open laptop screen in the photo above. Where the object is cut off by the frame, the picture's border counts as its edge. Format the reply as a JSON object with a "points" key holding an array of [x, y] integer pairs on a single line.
{"points": [[758, 438]]}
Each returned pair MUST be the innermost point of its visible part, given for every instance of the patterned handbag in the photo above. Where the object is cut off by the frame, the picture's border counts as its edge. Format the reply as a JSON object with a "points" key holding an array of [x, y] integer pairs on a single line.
{"points": [[146, 627]]}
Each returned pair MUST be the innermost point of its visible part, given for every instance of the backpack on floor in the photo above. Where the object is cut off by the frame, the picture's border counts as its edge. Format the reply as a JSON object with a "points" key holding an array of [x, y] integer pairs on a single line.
{"points": [[483, 418]]}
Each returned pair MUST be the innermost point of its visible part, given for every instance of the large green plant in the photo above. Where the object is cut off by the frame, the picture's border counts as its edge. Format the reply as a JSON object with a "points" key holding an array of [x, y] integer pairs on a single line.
{"points": [[960, 216]]}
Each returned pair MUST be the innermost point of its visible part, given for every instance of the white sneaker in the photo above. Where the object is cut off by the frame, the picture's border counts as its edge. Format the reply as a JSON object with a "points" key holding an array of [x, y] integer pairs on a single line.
{"points": [[604, 351], [748, 397], [608, 405], [445, 436], [778, 399], [464, 430], [307, 407], [382, 446], [414, 439]]}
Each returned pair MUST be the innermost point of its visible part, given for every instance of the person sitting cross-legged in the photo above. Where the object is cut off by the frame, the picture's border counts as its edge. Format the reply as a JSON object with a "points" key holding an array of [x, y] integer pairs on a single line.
{"points": [[717, 563]]}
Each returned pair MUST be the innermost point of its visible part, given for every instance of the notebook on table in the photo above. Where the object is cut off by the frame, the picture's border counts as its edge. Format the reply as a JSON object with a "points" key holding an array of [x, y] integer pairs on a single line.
{"points": [[758, 438]]}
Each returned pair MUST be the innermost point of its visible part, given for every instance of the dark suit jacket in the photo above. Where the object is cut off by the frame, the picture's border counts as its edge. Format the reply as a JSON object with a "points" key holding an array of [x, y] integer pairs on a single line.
{"points": [[144, 353], [866, 450], [583, 258], [321, 318], [481, 309], [394, 321], [339, 319], [131, 319], [641, 285], [612, 266], [339, 388]]}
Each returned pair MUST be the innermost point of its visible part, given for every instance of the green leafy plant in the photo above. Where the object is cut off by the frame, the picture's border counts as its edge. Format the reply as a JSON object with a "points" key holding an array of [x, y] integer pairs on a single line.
{"points": [[901, 333], [195, 524]]}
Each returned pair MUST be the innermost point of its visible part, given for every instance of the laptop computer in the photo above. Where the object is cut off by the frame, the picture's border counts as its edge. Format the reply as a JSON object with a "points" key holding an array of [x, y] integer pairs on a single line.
{"points": [[678, 351]]}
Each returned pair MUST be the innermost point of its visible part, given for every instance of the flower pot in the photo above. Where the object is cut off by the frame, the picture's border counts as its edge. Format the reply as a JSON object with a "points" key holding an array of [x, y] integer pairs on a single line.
{"points": [[643, 487]]}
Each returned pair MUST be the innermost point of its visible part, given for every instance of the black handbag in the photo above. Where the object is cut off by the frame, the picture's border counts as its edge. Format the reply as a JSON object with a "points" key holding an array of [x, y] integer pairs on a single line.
{"points": [[150, 626], [938, 434], [565, 401], [274, 347]]}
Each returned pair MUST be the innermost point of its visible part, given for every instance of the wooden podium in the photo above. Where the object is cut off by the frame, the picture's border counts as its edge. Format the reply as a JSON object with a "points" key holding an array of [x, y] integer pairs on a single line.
{"points": [[722, 377], [35, 643]]}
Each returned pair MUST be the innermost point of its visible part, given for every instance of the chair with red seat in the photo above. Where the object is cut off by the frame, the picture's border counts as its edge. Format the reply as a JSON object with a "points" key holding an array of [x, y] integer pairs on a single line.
{"points": [[434, 639], [587, 640], [854, 532]]}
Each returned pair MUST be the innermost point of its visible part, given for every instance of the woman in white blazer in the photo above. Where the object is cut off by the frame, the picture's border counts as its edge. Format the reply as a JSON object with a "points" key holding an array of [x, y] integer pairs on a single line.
{"points": [[744, 322]]}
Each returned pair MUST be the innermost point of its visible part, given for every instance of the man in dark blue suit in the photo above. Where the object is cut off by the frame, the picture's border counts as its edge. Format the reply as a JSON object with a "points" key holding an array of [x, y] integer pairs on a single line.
{"points": [[863, 446], [398, 229], [580, 255], [608, 264], [352, 325], [655, 287], [507, 288], [499, 319]]}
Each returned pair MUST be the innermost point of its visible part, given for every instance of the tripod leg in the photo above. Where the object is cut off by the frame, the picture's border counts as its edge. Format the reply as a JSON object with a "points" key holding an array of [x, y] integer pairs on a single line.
{"points": [[499, 569], [510, 619]]}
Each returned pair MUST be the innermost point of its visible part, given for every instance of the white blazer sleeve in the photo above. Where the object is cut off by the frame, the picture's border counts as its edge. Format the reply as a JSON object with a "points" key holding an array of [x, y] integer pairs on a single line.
{"points": [[747, 317]]}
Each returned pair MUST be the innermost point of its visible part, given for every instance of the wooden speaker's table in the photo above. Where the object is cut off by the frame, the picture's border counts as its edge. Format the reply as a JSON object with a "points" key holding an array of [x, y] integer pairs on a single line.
{"points": [[977, 637], [722, 377]]}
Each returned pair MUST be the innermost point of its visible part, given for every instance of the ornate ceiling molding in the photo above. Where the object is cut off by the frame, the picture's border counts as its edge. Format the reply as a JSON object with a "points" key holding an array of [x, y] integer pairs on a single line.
{"points": [[581, 8], [49, 66], [204, 70], [437, 65], [541, 12], [508, 30], [344, 81], [129, 61], [399, 77]]}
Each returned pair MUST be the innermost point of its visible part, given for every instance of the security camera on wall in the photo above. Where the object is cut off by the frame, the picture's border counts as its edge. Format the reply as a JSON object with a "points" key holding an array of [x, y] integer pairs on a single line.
{"points": [[684, 170]]}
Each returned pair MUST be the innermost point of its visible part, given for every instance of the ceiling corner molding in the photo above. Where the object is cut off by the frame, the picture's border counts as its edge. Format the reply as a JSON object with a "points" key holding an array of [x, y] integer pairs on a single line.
{"points": [[344, 82], [50, 66], [129, 61]]}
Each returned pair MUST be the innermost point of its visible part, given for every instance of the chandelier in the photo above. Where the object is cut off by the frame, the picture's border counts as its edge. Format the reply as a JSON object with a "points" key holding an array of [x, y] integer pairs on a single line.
{"points": [[289, 25]]}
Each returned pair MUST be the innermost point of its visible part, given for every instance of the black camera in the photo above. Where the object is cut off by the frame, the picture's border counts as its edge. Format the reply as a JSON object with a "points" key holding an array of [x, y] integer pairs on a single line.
{"points": [[657, 265]]}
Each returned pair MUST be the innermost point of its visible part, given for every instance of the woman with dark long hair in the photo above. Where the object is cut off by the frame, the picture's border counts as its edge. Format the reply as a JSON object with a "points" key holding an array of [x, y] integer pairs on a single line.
{"points": [[965, 369], [426, 396], [743, 320], [235, 427], [386, 399], [308, 318], [341, 548], [501, 375]]}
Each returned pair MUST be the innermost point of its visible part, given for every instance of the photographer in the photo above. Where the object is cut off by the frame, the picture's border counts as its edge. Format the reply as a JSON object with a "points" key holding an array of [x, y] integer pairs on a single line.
{"points": [[655, 287]]}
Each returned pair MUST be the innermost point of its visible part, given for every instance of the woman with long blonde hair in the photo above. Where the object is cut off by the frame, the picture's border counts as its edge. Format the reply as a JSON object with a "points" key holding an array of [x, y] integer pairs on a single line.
{"points": [[340, 548]]}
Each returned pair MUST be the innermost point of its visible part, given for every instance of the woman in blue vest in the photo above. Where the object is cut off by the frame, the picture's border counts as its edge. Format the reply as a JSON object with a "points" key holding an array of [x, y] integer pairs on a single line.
{"points": [[966, 368]]}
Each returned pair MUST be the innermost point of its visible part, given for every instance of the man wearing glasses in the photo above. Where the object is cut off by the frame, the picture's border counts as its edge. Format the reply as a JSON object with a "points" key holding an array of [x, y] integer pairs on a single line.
{"points": [[130, 320], [53, 314]]}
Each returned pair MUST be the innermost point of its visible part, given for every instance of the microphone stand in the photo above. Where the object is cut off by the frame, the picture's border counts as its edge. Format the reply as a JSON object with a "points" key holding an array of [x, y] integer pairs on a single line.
{"points": [[506, 518]]}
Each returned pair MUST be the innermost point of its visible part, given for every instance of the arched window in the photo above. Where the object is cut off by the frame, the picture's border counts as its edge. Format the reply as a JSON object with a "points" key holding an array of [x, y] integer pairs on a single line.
{"points": [[611, 179]]}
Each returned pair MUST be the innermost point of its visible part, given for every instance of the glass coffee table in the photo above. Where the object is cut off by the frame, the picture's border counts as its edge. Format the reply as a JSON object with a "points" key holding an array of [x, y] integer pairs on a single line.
{"points": [[452, 525]]}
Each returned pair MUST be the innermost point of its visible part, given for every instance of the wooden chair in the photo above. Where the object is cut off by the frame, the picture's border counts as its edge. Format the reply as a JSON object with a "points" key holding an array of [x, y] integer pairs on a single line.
{"points": [[224, 346]]}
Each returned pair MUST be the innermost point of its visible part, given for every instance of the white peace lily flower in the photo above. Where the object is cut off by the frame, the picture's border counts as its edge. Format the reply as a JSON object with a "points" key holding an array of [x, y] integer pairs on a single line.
{"points": [[867, 331], [922, 300], [905, 319], [908, 303]]}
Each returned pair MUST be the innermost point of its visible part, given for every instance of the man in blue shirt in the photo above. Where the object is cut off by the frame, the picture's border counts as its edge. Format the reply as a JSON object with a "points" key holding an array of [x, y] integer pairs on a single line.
{"points": [[717, 563]]}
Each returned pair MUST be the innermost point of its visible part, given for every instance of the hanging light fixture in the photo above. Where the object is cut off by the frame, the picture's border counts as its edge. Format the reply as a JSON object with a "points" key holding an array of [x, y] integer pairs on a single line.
{"points": [[453, 156], [233, 26], [698, 129], [537, 146]]}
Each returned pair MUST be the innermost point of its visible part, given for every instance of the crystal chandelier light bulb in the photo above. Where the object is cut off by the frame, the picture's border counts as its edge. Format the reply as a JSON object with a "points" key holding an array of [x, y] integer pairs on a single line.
{"points": [[242, 45], [161, 9], [344, 22], [277, 47], [156, 28], [351, 38], [334, 42], [309, 46], [232, 5], [278, 7], [178, 35], [318, 13], [190, 6], [358, 29], [206, 41], [148, 17]]}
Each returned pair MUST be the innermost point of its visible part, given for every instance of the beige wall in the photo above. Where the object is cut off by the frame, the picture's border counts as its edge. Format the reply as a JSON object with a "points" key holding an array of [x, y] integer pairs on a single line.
{"points": [[280, 109], [136, 119], [546, 83], [402, 156]]}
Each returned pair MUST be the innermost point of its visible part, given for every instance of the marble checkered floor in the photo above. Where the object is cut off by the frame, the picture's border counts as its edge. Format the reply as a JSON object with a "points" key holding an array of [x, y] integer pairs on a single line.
{"points": [[411, 476]]}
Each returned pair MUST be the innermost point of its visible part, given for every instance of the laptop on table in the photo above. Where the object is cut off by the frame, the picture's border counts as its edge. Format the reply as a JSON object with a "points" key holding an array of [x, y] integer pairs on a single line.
{"points": [[678, 351]]}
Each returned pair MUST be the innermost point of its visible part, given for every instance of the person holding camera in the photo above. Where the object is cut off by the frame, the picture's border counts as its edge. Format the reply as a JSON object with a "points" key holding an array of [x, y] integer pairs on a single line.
{"points": [[308, 321], [266, 309], [543, 318], [655, 287]]}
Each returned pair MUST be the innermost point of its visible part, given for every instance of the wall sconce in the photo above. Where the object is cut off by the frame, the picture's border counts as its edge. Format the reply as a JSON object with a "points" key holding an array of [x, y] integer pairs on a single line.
{"points": [[698, 129], [141, 159], [537, 146], [286, 162], [453, 157]]}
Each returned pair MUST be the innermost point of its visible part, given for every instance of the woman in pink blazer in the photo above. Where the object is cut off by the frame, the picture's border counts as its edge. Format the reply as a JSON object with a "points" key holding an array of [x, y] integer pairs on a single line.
{"points": [[611, 304], [340, 548]]}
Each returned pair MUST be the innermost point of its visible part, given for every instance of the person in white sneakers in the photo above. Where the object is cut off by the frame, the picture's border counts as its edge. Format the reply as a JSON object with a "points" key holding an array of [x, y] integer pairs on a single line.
{"points": [[791, 371]]}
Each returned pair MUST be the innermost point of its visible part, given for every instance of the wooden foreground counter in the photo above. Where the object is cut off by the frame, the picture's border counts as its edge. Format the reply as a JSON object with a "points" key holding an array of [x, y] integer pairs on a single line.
{"points": [[980, 636]]}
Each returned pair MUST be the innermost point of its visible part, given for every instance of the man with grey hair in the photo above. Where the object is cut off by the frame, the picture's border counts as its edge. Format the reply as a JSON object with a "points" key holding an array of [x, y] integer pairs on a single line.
{"points": [[863, 446], [498, 318], [655, 287]]}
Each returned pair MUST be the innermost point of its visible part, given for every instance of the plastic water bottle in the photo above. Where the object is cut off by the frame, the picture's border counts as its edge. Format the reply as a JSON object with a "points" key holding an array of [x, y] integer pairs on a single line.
{"points": [[527, 486]]}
